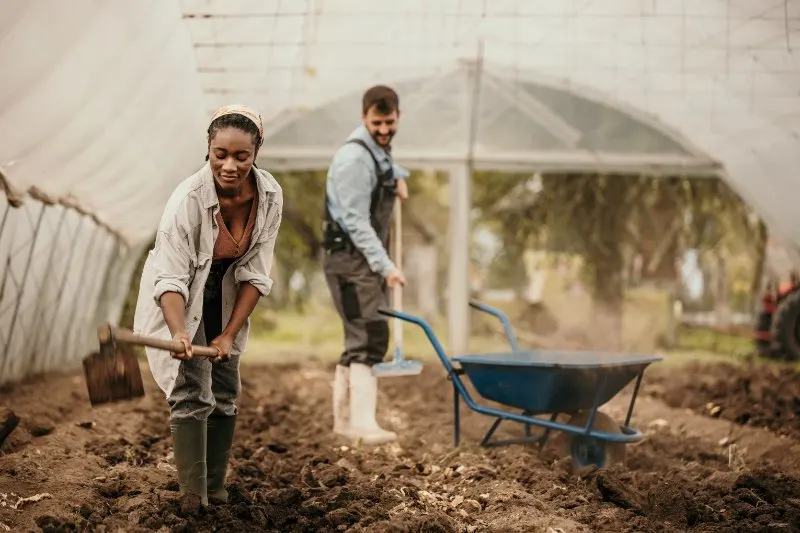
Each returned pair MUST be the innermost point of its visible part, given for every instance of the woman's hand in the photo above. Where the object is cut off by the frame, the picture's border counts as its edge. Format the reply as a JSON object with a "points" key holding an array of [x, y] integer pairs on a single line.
{"points": [[223, 343], [183, 338]]}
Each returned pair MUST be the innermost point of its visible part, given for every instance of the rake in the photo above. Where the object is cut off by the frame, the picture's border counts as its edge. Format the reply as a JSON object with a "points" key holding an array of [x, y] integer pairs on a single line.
{"points": [[399, 365]]}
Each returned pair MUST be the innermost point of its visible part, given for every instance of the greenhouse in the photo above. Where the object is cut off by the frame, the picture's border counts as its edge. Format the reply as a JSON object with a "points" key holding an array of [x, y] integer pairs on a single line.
{"points": [[587, 259], [103, 114]]}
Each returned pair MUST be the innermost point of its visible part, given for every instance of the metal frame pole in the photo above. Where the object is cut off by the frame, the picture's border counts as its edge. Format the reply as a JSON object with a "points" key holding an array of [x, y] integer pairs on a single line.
{"points": [[66, 343], [21, 291], [460, 206], [60, 294], [38, 312]]}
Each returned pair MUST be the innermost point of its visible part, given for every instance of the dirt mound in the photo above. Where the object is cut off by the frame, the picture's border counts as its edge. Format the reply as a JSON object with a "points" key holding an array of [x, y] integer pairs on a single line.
{"points": [[702, 499], [112, 468], [759, 395]]}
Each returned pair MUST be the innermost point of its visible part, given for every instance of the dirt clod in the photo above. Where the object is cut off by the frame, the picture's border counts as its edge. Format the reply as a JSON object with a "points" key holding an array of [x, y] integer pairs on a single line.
{"points": [[613, 490], [766, 396], [8, 423]]}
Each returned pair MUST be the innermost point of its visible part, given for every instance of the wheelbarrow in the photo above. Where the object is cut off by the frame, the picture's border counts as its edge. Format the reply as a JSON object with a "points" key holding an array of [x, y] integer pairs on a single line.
{"points": [[546, 382]]}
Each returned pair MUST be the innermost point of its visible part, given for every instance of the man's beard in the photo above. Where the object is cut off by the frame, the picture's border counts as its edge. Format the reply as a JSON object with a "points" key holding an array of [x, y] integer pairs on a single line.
{"points": [[376, 138]]}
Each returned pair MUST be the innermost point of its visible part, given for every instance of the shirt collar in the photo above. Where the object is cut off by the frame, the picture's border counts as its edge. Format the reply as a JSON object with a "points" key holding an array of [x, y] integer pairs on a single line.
{"points": [[209, 193]]}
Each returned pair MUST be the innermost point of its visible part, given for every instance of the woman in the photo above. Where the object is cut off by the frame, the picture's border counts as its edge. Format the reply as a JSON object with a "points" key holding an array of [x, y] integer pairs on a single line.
{"points": [[209, 266]]}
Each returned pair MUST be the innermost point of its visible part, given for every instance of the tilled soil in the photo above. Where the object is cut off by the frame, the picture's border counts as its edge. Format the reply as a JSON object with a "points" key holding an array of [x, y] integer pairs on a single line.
{"points": [[757, 395], [70, 468]]}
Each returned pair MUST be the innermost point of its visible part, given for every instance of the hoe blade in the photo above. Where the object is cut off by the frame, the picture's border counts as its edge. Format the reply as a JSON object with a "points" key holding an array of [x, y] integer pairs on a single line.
{"points": [[112, 377]]}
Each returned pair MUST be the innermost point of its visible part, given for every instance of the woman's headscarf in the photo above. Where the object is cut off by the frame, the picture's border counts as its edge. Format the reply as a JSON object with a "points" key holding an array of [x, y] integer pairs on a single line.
{"points": [[241, 109]]}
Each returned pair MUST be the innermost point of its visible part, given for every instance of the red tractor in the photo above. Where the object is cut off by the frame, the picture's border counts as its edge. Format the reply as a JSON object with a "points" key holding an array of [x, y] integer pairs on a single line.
{"points": [[777, 329]]}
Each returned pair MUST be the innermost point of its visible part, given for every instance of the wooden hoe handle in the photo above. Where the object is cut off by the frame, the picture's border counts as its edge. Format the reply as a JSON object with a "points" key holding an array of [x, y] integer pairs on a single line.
{"points": [[107, 333]]}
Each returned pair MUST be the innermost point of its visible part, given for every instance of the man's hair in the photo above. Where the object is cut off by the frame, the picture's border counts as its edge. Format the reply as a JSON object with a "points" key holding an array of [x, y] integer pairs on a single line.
{"points": [[382, 97]]}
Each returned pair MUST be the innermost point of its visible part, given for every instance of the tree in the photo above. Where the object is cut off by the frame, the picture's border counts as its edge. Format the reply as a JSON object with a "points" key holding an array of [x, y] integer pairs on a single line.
{"points": [[606, 217], [300, 239]]}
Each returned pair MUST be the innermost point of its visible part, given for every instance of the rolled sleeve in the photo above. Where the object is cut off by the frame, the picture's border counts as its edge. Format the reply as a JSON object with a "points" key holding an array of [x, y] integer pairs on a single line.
{"points": [[256, 271], [172, 266]]}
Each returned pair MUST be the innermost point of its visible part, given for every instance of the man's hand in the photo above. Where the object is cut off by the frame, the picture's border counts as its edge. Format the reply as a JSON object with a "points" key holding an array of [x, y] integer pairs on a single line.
{"points": [[183, 338], [223, 343], [395, 277], [402, 189]]}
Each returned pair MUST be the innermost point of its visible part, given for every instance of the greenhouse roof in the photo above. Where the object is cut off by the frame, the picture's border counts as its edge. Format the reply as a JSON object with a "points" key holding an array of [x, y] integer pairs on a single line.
{"points": [[107, 103], [522, 122]]}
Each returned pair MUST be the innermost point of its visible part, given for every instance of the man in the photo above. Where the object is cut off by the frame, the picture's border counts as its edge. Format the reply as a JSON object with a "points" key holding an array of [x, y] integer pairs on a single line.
{"points": [[361, 188]]}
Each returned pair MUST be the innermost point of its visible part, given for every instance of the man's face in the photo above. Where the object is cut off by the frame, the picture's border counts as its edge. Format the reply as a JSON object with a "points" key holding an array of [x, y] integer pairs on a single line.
{"points": [[381, 127]]}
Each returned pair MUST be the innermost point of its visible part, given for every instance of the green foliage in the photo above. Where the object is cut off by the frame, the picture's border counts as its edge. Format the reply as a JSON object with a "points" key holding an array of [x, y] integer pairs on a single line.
{"points": [[303, 207], [705, 339], [574, 213], [599, 216], [519, 224]]}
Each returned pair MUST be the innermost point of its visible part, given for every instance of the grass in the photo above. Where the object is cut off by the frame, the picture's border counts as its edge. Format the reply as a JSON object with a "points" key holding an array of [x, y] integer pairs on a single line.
{"points": [[292, 336], [695, 338], [318, 333]]}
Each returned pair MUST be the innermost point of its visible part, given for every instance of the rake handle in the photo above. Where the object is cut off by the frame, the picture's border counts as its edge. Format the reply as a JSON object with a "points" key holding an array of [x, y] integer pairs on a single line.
{"points": [[127, 336], [397, 296]]}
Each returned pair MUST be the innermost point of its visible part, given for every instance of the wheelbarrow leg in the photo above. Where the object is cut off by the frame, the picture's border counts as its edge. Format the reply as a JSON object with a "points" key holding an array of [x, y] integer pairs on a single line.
{"points": [[491, 431], [597, 396], [527, 439], [546, 434], [633, 399], [456, 416]]}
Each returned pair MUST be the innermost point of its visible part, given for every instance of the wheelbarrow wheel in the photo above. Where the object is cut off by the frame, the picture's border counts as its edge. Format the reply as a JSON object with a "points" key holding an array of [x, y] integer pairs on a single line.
{"points": [[586, 450]]}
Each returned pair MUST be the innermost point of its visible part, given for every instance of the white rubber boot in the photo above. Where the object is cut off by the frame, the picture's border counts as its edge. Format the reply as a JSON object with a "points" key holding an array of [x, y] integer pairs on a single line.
{"points": [[363, 405], [341, 408]]}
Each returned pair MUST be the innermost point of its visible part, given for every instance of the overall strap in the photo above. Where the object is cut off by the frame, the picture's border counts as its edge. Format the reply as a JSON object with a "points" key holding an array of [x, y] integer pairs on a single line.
{"points": [[375, 192]]}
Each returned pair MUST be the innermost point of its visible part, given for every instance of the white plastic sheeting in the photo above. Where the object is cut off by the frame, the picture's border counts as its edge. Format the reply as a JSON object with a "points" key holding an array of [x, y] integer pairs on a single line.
{"points": [[101, 110], [720, 73], [103, 105], [100, 101]]}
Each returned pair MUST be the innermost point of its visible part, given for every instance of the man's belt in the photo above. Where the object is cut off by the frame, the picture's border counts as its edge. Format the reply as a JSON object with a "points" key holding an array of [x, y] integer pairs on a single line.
{"points": [[334, 239]]}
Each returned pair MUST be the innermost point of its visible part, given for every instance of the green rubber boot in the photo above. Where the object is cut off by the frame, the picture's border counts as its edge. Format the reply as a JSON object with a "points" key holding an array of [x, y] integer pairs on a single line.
{"points": [[218, 450], [189, 444]]}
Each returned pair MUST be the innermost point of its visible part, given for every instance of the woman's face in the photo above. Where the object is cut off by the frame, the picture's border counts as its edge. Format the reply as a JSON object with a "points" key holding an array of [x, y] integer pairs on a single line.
{"points": [[231, 153]]}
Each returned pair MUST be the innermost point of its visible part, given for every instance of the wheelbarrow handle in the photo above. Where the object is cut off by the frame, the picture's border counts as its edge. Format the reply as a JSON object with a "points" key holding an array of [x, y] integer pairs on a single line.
{"points": [[437, 346], [502, 317], [403, 316]]}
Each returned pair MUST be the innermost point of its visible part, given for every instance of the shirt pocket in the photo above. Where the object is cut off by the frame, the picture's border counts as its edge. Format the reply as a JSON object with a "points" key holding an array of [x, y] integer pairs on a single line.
{"points": [[199, 264], [269, 210]]}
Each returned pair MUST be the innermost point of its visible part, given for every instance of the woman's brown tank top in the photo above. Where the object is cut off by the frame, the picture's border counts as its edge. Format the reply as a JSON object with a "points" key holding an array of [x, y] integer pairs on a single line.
{"points": [[226, 246]]}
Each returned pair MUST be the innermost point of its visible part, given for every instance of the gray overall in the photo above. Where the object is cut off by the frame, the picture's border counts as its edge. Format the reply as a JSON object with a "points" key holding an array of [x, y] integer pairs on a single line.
{"points": [[356, 290]]}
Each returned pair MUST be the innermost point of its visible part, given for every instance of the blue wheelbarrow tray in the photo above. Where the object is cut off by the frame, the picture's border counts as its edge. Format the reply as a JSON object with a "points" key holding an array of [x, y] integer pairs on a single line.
{"points": [[552, 381]]}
